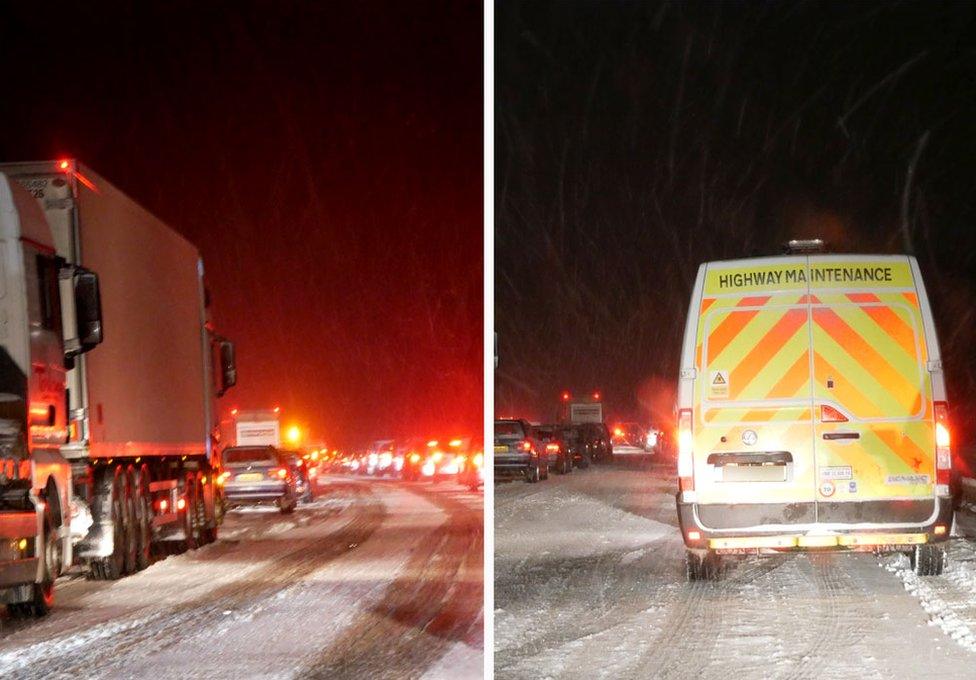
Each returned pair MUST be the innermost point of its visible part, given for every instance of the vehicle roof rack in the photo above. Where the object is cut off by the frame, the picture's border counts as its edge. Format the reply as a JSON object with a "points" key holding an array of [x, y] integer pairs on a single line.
{"points": [[797, 246]]}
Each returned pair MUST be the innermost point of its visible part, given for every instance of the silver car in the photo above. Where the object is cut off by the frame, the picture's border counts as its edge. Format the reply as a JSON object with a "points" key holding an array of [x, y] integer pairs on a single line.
{"points": [[258, 475]]}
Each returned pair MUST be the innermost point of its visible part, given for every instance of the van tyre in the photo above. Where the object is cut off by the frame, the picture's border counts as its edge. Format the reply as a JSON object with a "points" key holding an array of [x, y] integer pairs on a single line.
{"points": [[703, 568], [928, 560]]}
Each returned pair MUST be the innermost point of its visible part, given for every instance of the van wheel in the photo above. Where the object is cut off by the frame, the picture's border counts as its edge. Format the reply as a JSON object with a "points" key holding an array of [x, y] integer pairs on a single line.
{"points": [[707, 568], [928, 560]]}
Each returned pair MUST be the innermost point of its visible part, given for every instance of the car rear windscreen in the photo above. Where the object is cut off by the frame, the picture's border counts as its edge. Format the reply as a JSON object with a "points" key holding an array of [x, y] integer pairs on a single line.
{"points": [[256, 455], [509, 431]]}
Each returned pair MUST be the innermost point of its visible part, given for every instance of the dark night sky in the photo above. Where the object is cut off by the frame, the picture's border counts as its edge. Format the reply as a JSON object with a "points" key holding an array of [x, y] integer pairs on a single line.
{"points": [[327, 160], [636, 140]]}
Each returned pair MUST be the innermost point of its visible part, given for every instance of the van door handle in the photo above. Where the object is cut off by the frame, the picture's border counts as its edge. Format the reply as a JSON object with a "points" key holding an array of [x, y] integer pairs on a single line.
{"points": [[830, 436]]}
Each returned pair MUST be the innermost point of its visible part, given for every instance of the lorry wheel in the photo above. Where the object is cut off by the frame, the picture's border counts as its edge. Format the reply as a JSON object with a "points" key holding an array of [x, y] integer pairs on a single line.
{"points": [[130, 523], [42, 596], [143, 520], [188, 523], [928, 560], [110, 493]]}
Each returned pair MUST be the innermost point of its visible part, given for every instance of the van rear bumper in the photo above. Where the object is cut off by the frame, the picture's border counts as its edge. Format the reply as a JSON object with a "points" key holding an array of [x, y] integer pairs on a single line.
{"points": [[865, 525]]}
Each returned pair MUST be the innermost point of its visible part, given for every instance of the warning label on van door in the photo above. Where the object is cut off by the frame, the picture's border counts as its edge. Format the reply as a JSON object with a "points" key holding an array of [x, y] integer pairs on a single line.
{"points": [[718, 385]]}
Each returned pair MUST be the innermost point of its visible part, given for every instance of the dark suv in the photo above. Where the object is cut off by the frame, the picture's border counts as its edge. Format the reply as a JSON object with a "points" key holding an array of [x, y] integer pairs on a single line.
{"points": [[595, 440], [556, 453], [573, 441], [517, 452]]}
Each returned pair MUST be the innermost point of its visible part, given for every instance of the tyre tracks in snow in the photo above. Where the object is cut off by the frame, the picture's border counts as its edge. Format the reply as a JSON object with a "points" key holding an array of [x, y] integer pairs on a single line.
{"points": [[433, 605], [102, 650]]}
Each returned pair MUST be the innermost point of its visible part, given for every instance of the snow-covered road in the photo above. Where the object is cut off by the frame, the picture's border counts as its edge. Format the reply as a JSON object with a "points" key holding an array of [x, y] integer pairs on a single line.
{"points": [[589, 583], [379, 580]]}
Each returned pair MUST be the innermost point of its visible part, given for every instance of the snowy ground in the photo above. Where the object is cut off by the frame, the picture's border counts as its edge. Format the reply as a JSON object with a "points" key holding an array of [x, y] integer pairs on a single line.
{"points": [[378, 580], [589, 583]]}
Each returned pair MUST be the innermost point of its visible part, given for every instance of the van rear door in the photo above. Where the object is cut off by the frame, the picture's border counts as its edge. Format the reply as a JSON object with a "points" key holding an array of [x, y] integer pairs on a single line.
{"points": [[753, 416], [874, 420]]}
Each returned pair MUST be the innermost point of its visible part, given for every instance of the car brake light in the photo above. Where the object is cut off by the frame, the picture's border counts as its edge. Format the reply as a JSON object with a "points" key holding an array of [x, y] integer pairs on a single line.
{"points": [[181, 504], [694, 535], [943, 452], [552, 448], [414, 457], [686, 467], [163, 505], [829, 414], [222, 478], [281, 473], [479, 460], [525, 445]]}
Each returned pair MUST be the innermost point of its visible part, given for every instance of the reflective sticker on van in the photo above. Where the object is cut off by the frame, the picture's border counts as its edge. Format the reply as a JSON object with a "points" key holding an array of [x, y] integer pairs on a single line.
{"points": [[718, 384], [836, 472], [908, 479]]}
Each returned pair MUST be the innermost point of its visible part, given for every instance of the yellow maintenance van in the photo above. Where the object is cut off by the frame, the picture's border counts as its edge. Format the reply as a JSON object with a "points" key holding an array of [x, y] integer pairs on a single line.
{"points": [[812, 412]]}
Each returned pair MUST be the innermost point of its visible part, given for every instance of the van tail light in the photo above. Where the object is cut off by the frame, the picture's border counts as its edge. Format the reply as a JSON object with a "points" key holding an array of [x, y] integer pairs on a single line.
{"points": [[686, 467], [943, 451], [828, 414]]}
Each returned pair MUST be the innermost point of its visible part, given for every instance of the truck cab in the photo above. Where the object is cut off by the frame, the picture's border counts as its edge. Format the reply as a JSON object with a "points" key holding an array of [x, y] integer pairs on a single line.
{"points": [[50, 313]]}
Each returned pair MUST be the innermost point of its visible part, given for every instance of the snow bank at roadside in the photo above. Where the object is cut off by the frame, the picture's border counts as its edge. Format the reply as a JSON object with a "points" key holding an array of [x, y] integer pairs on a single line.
{"points": [[948, 600]]}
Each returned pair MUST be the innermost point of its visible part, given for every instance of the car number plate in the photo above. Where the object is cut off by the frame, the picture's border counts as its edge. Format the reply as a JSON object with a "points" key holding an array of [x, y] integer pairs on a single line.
{"points": [[501, 449], [250, 477]]}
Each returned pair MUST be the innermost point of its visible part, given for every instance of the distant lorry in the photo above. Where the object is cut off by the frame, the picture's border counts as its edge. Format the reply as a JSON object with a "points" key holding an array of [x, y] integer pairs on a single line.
{"points": [[106, 437], [257, 428]]}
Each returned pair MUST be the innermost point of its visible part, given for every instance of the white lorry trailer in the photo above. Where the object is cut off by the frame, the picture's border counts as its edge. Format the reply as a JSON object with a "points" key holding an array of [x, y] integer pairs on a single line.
{"points": [[256, 428], [105, 457]]}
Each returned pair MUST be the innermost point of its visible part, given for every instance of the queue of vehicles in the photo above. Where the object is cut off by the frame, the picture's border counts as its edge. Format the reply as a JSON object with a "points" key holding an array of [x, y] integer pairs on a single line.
{"points": [[457, 459]]}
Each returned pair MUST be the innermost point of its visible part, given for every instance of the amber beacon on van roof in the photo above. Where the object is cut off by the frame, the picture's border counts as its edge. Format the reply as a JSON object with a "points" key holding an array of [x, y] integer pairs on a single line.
{"points": [[812, 411]]}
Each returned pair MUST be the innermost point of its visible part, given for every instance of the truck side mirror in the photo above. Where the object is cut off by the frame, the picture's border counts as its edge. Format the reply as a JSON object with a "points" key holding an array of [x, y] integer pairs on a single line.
{"points": [[88, 309], [81, 312], [228, 367]]}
